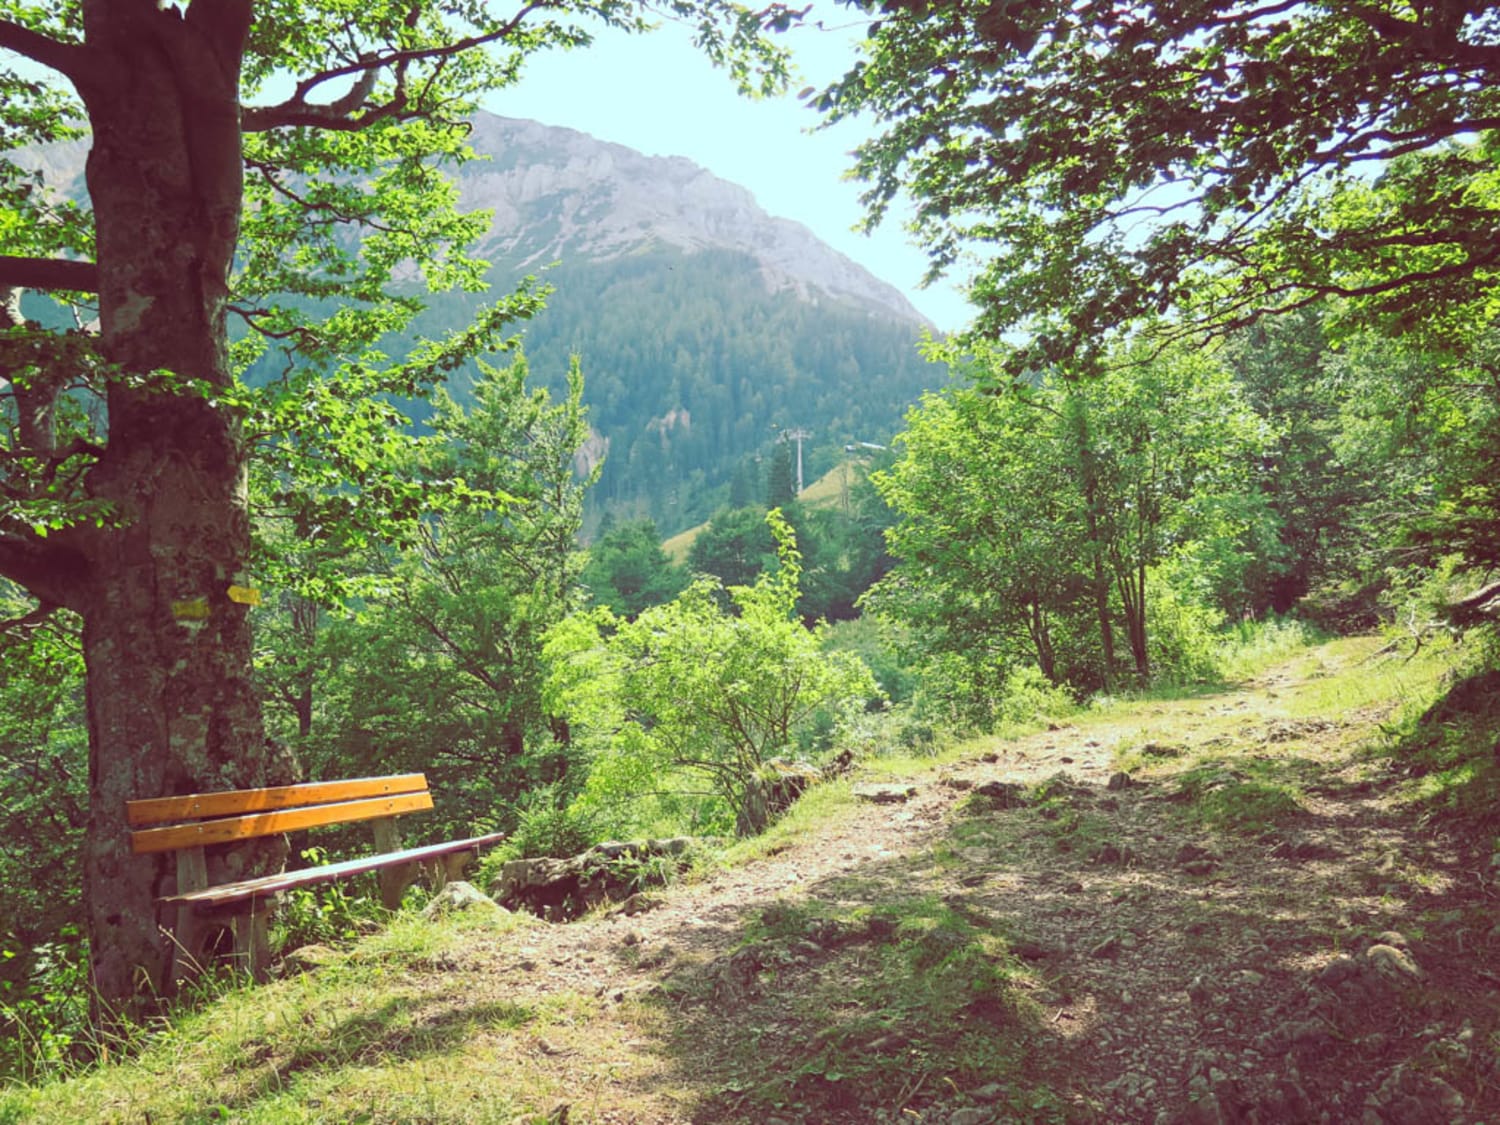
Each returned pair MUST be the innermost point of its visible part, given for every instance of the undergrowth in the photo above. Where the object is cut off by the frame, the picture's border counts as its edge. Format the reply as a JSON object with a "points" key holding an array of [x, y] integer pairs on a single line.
{"points": [[1450, 752]]}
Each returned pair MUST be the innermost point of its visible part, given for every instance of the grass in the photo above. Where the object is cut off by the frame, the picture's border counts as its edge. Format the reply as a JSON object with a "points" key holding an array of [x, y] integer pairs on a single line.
{"points": [[1243, 807], [365, 1038], [1447, 753], [818, 805], [1247, 772], [676, 547], [830, 488], [1254, 647], [902, 761], [825, 492], [905, 763], [1352, 673], [843, 1010]]}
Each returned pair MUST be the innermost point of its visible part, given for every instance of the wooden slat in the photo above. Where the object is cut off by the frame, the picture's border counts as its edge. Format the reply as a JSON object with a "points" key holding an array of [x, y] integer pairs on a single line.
{"points": [[272, 823], [194, 806], [228, 894]]}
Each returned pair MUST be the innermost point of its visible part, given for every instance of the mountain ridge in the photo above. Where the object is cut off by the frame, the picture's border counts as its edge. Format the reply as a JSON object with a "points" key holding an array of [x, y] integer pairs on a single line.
{"points": [[622, 207], [707, 212]]}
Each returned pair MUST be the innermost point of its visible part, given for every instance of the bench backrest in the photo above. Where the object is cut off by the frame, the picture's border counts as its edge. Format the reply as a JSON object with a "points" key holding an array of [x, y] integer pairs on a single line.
{"points": [[168, 823]]}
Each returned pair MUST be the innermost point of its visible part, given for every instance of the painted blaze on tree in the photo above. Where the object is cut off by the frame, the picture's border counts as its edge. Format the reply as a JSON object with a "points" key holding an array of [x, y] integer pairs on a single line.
{"points": [[140, 523]]}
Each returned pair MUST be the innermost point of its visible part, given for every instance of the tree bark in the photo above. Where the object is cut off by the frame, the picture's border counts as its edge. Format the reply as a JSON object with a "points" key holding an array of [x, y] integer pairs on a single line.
{"points": [[1089, 486], [170, 702], [1132, 586], [1041, 640]]}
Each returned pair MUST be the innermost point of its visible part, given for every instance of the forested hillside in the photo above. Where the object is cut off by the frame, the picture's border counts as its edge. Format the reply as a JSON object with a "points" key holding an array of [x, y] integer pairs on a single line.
{"points": [[703, 325], [692, 366]]}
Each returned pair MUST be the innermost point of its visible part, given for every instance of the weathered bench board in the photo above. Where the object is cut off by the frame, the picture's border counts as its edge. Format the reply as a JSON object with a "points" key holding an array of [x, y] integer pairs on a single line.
{"points": [[191, 823]]}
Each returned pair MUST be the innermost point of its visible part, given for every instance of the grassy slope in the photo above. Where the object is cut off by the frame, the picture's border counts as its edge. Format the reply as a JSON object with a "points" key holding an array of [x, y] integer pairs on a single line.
{"points": [[825, 492], [893, 985]]}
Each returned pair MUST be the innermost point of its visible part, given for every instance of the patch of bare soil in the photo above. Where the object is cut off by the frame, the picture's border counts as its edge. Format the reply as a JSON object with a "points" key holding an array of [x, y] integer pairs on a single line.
{"points": [[1246, 927]]}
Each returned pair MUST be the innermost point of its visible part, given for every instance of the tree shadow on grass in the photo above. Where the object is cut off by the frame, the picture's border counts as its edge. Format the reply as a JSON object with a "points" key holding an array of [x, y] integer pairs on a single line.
{"points": [[860, 997], [325, 1039], [1021, 962]]}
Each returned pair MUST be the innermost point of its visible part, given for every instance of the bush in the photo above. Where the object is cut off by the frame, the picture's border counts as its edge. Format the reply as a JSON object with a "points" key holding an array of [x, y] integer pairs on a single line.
{"points": [[546, 826], [1028, 696], [44, 1014], [867, 639], [691, 698], [1183, 630]]}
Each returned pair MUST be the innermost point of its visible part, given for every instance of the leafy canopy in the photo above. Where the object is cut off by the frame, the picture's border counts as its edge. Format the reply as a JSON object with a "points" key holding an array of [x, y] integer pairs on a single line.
{"points": [[1210, 156]]}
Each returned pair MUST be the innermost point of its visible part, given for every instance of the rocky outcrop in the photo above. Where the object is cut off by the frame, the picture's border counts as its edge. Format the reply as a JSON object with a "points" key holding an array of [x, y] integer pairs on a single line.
{"points": [[559, 889], [458, 896]]}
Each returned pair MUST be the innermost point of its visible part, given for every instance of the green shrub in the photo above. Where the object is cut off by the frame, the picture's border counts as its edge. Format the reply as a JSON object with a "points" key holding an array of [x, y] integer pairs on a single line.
{"points": [[44, 1013], [545, 826], [1183, 630], [332, 913], [871, 642], [1028, 695]]}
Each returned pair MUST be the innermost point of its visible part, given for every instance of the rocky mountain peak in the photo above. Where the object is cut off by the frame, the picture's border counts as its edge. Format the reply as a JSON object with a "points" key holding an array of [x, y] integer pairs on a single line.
{"points": [[557, 194], [560, 194]]}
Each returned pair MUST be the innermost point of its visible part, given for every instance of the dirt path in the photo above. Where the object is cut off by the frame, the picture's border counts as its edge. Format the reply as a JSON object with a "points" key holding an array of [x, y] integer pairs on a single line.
{"points": [[1241, 926]]}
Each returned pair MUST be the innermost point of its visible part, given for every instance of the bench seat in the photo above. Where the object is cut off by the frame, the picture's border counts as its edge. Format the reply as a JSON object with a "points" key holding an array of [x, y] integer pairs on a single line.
{"points": [[190, 824], [210, 899]]}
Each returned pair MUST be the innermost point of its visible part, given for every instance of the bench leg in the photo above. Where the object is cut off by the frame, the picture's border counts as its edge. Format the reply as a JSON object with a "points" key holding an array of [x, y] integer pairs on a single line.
{"points": [[445, 869], [187, 952], [454, 864], [393, 884], [252, 941], [393, 880]]}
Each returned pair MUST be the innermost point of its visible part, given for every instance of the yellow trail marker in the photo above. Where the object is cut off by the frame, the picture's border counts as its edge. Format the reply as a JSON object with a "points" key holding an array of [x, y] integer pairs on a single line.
{"points": [[244, 595], [194, 610]]}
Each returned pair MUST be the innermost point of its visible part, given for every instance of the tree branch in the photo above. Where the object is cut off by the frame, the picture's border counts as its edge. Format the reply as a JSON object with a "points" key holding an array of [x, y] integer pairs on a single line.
{"points": [[71, 60], [1477, 607], [322, 116], [51, 573], [32, 620], [49, 274], [297, 110]]}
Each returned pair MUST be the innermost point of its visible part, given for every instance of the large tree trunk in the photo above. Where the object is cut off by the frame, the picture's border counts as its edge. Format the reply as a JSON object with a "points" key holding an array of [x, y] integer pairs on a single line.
{"points": [[170, 703]]}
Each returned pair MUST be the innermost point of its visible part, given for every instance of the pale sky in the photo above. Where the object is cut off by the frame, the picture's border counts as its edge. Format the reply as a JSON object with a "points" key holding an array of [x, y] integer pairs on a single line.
{"points": [[656, 94]]}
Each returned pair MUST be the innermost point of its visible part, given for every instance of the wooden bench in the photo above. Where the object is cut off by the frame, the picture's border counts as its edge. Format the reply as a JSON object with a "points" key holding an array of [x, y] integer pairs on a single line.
{"points": [[192, 823]]}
